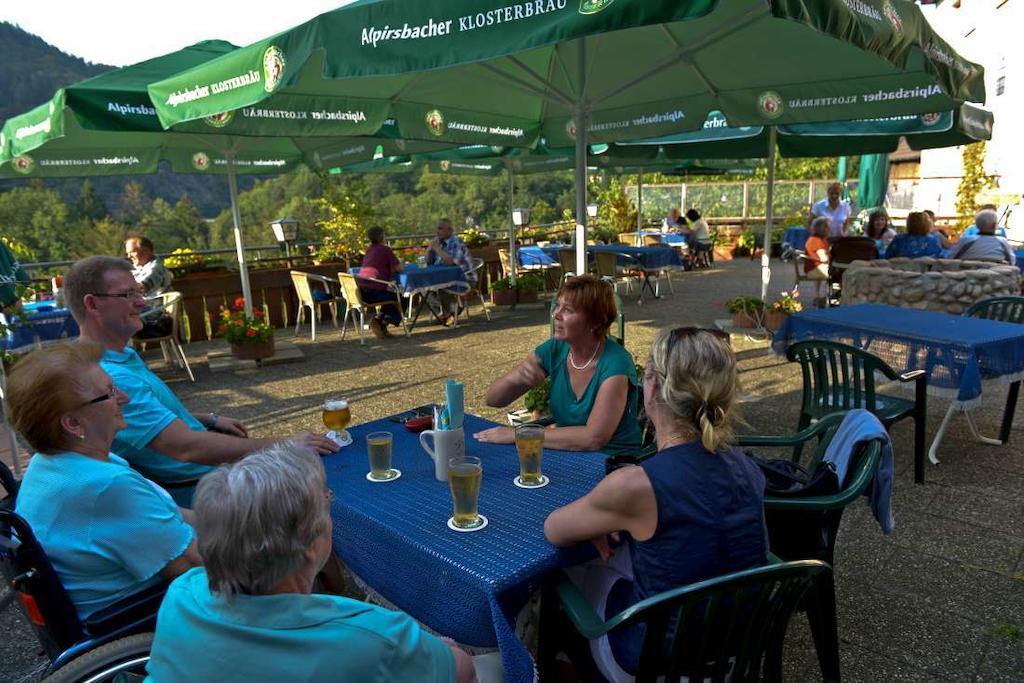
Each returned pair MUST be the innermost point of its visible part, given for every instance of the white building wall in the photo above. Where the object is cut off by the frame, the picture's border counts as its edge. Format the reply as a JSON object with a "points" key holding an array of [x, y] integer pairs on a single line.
{"points": [[989, 32]]}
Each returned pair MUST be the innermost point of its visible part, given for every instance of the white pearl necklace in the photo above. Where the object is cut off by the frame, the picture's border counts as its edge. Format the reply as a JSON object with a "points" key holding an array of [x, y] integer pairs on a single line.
{"points": [[587, 364]]}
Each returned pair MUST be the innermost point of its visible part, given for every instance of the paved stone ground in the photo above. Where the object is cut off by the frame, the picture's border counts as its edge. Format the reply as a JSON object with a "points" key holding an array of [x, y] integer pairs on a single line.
{"points": [[941, 598]]}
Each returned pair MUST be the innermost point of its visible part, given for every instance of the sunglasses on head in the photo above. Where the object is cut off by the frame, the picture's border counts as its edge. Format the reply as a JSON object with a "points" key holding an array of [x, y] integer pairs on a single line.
{"points": [[681, 332]]}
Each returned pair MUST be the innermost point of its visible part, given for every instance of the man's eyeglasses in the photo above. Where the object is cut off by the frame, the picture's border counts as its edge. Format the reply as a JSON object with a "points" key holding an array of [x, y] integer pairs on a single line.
{"points": [[127, 295]]}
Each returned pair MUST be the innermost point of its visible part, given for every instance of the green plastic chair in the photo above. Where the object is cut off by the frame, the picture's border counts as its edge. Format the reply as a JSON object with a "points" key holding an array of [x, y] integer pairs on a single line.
{"points": [[1007, 309], [801, 528], [839, 377], [730, 628]]}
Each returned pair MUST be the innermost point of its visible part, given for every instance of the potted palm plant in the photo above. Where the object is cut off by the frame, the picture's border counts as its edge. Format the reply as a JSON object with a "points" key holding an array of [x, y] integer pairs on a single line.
{"points": [[746, 311]]}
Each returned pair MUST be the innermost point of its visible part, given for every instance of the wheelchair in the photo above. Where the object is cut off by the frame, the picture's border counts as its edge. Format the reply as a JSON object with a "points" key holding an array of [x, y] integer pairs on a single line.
{"points": [[111, 644]]}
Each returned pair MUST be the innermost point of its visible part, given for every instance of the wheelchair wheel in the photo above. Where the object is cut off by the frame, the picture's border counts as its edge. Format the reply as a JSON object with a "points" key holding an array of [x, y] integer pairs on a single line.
{"points": [[122, 660]]}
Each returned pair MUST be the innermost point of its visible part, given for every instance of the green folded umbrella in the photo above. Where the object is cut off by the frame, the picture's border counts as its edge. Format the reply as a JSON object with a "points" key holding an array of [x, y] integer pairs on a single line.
{"points": [[501, 72]]}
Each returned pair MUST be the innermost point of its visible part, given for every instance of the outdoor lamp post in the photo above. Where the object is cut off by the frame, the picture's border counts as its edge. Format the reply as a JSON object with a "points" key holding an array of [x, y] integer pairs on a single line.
{"points": [[285, 231], [520, 217]]}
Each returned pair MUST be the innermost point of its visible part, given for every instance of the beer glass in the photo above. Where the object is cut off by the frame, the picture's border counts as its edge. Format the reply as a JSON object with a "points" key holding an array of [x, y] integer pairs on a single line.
{"points": [[336, 414], [530, 446], [378, 446], [464, 476]]}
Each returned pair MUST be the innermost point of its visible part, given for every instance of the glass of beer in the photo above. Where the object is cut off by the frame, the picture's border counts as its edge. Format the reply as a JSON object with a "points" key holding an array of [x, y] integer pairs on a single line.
{"points": [[464, 475], [336, 415], [530, 446], [378, 446]]}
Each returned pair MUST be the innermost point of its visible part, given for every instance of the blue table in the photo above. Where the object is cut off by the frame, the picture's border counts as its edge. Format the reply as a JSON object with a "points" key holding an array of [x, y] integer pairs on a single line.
{"points": [[955, 352], [795, 236], [1020, 258], [41, 322], [468, 586], [531, 256], [415, 282]]}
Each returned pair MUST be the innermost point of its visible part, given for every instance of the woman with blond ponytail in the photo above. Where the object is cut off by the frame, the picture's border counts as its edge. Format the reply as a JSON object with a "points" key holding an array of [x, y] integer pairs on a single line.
{"points": [[693, 511]]}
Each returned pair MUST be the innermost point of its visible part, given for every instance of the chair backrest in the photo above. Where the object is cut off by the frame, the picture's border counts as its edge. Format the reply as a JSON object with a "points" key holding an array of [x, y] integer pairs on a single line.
{"points": [[837, 376], [627, 238], [567, 259], [38, 588], [350, 290], [172, 303], [506, 262], [651, 240], [1007, 309], [7, 478], [728, 628], [302, 289], [850, 249], [798, 265], [606, 264]]}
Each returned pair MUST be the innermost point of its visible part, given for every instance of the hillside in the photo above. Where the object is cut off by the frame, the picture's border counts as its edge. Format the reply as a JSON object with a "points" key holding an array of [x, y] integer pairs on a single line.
{"points": [[34, 70]]}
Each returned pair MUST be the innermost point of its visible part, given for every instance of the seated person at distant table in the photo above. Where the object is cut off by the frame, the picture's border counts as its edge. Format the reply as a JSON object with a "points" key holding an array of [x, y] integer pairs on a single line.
{"points": [[380, 263], [986, 245], [251, 614], [674, 222], [838, 212], [974, 230], [919, 240], [593, 396], [162, 439], [817, 257], [449, 250]]}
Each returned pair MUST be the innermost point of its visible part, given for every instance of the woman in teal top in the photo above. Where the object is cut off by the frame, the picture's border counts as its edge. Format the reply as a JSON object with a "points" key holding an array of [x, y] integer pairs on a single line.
{"points": [[593, 396], [107, 531]]}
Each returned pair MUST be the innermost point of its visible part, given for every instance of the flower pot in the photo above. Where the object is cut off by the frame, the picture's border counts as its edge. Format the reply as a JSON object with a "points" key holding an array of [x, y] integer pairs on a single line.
{"points": [[503, 297], [743, 320], [773, 320], [254, 350], [527, 297]]}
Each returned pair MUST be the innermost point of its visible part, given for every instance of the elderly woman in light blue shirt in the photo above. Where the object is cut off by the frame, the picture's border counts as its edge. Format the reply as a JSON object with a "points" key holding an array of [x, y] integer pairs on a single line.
{"points": [[107, 531]]}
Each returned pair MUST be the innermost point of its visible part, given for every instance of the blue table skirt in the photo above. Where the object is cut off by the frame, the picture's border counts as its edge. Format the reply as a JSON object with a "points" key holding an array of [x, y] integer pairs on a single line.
{"points": [[649, 257], [795, 236], [956, 352], [413, 279], [42, 322], [468, 586], [1020, 258], [535, 256]]}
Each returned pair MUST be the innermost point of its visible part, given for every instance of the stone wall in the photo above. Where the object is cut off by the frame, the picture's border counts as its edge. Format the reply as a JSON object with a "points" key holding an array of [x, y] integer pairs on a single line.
{"points": [[946, 285]]}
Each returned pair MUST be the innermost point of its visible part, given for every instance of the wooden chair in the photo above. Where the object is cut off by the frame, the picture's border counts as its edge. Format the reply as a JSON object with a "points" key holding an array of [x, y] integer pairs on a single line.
{"points": [[354, 303], [807, 528], [627, 238], [567, 259], [651, 240], [607, 268], [542, 268], [304, 292], [727, 628], [464, 297], [1007, 309], [171, 304], [840, 377]]}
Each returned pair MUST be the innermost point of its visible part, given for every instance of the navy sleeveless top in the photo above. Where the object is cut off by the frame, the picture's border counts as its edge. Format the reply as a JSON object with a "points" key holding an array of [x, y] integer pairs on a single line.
{"points": [[710, 523]]}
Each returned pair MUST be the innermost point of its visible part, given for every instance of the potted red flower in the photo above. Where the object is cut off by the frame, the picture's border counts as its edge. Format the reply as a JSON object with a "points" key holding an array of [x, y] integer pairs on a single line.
{"points": [[250, 337]]}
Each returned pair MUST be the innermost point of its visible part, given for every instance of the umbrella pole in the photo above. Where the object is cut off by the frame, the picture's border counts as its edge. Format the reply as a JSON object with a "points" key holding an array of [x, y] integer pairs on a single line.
{"points": [[512, 256], [766, 269], [236, 218], [581, 161], [639, 203]]}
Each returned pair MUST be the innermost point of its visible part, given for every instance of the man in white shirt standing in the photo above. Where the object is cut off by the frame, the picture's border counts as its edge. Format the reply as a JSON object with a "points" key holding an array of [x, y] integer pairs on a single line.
{"points": [[838, 212], [986, 245]]}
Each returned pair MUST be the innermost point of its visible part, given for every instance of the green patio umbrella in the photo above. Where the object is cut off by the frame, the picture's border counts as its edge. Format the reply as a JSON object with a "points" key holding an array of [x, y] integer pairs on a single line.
{"points": [[107, 125], [577, 71], [873, 180]]}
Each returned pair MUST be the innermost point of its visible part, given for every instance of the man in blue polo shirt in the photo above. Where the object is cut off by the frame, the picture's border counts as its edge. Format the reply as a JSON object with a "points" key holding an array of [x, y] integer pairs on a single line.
{"points": [[163, 440]]}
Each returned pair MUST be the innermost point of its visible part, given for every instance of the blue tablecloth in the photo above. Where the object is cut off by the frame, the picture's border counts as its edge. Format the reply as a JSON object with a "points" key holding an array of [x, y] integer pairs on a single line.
{"points": [[649, 257], [413, 279], [795, 236], [468, 586], [42, 322], [535, 256], [955, 351], [672, 238]]}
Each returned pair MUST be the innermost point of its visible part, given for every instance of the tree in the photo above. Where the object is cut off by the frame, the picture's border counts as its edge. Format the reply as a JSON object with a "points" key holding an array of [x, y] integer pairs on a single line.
{"points": [[103, 236], [191, 224], [90, 204], [347, 217], [38, 218], [134, 204], [974, 181]]}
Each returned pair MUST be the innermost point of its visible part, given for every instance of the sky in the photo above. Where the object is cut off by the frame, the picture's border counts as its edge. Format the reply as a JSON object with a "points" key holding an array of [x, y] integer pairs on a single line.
{"points": [[122, 32]]}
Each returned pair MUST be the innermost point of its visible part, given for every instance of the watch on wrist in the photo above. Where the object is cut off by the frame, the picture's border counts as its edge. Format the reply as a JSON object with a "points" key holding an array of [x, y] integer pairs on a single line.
{"points": [[213, 420]]}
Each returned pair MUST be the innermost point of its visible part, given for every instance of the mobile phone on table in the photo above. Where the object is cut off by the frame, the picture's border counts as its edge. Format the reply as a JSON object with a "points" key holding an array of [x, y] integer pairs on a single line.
{"points": [[421, 411]]}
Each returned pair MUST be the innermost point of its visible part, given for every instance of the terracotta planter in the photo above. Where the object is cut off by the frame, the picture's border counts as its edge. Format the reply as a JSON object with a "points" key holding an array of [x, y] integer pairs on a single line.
{"points": [[773, 320], [256, 351], [743, 320], [527, 297], [503, 297]]}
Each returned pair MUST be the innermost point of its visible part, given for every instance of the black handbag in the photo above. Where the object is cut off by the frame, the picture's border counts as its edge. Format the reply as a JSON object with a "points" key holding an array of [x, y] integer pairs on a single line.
{"points": [[785, 478]]}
